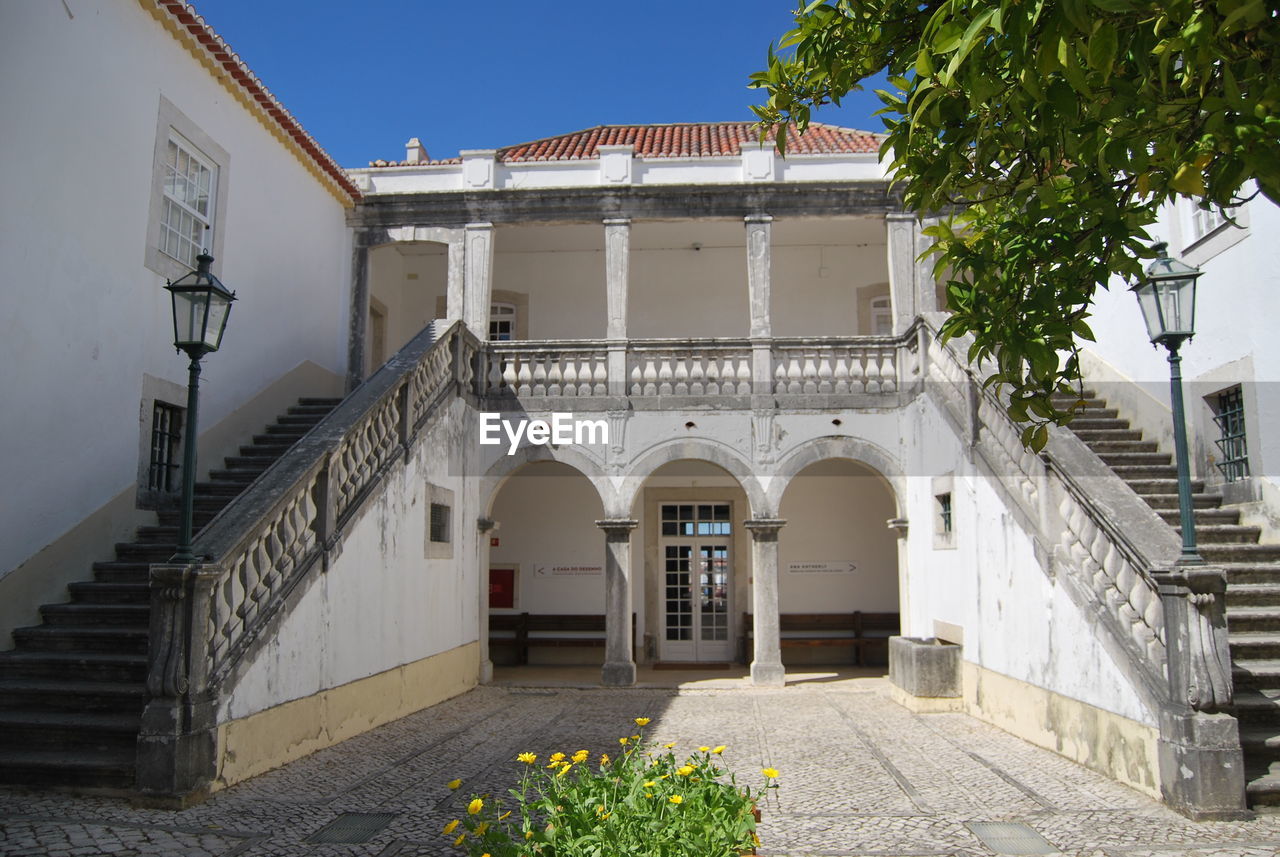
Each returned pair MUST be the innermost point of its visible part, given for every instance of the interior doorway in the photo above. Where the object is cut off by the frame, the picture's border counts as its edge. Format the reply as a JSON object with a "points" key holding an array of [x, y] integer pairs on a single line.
{"points": [[695, 546]]}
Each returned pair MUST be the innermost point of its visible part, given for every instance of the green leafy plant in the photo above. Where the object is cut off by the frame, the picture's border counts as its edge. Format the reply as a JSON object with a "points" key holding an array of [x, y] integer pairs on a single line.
{"points": [[1047, 134], [643, 801]]}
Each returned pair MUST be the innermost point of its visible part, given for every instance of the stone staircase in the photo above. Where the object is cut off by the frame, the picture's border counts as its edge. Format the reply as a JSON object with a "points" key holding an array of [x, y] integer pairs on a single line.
{"points": [[73, 689], [1253, 583]]}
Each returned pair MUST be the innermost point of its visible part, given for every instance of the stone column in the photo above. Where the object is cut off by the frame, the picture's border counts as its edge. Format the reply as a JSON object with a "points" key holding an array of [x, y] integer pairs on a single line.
{"points": [[478, 277], [359, 311], [484, 526], [766, 662], [900, 238], [617, 265], [759, 256], [619, 658], [455, 293]]}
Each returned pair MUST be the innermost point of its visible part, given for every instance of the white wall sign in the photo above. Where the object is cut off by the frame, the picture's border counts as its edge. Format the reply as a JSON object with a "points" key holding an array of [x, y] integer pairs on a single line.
{"points": [[822, 567], [567, 570]]}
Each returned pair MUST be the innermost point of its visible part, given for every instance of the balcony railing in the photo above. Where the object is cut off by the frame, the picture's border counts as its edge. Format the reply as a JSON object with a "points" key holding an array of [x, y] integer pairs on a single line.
{"points": [[707, 370]]}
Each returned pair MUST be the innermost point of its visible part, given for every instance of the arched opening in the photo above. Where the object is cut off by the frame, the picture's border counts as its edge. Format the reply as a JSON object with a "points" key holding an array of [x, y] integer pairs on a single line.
{"points": [[546, 560], [696, 562], [837, 565]]}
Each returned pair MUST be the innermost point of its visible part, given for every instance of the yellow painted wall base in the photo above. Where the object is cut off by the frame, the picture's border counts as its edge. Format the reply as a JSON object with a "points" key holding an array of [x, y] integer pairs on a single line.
{"points": [[271, 738], [1116, 746]]}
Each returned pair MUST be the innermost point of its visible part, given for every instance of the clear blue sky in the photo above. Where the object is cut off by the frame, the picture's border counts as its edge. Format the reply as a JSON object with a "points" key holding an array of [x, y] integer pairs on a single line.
{"points": [[364, 77]]}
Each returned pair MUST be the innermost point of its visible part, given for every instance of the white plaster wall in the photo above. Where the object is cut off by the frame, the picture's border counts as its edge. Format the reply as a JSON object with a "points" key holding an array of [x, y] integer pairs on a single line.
{"points": [[818, 265], [836, 512], [81, 318], [561, 269], [1237, 299], [546, 515], [994, 584], [382, 603], [678, 290]]}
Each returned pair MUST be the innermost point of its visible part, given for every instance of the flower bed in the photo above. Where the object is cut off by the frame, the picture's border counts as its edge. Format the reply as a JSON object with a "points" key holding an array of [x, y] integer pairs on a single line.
{"points": [[643, 801]]}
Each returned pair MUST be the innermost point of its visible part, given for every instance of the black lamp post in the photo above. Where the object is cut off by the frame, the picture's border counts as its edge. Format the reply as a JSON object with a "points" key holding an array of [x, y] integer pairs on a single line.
{"points": [[1167, 297], [201, 305]]}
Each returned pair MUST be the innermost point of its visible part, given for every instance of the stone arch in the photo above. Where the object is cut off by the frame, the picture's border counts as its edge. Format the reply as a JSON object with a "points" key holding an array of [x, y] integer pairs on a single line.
{"points": [[508, 465], [693, 449], [855, 449]]}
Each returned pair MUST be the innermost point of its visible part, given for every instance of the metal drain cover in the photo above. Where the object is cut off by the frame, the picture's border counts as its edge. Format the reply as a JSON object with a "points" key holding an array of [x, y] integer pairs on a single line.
{"points": [[352, 828], [1010, 838]]}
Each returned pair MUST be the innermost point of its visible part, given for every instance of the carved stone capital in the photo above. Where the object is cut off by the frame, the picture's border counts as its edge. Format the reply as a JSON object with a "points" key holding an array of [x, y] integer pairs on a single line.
{"points": [[617, 529], [765, 529]]}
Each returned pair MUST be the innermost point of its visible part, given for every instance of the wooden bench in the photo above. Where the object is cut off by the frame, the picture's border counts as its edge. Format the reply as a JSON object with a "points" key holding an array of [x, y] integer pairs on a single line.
{"points": [[863, 632], [523, 631]]}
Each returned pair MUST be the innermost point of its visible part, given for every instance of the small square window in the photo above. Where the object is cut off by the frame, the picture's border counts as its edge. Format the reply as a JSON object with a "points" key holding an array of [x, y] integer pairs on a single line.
{"points": [[164, 469], [440, 518], [944, 514]]}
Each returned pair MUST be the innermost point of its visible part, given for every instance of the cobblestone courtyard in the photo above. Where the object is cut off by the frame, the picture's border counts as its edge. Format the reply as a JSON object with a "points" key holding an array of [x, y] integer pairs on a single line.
{"points": [[860, 776]]}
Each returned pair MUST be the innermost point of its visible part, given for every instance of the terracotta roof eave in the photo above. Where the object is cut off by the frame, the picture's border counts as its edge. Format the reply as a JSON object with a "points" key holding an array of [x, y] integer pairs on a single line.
{"points": [[180, 16]]}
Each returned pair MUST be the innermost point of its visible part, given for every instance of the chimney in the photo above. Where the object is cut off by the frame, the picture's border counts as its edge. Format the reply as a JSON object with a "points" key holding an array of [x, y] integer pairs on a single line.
{"points": [[415, 152]]}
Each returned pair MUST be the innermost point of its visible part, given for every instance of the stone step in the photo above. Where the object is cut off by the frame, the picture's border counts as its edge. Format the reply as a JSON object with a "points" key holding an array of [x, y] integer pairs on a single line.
{"points": [[1240, 553], [1146, 472], [275, 434], [40, 693], [1224, 534], [1258, 708], [1095, 435], [258, 462], [1261, 744], [79, 730], [1258, 646], [330, 402], [159, 534], [263, 452], [311, 409], [57, 615], [1089, 422], [74, 666], [111, 769], [1093, 410], [1135, 459], [1120, 446], [1250, 572], [106, 639], [299, 419], [1243, 595], [1252, 619], [1207, 517], [98, 592], [1165, 502], [122, 571], [239, 474], [145, 552], [1163, 486], [221, 488]]}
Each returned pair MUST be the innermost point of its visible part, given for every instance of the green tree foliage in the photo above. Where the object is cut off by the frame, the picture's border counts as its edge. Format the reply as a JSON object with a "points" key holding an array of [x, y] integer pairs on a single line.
{"points": [[1051, 131]]}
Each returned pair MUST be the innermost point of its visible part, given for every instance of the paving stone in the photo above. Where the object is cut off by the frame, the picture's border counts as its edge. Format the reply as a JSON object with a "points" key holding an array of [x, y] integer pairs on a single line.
{"points": [[860, 776]]}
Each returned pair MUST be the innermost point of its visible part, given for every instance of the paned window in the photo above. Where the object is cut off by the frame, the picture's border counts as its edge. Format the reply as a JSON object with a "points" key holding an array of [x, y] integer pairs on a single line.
{"points": [[696, 519], [944, 514], [502, 322], [186, 218], [881, 317], [440, 515], [1229, 415], [166, 441]]}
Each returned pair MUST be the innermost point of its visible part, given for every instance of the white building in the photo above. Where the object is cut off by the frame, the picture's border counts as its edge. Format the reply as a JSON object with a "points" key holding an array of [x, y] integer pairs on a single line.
{"points": [[786, 438]]}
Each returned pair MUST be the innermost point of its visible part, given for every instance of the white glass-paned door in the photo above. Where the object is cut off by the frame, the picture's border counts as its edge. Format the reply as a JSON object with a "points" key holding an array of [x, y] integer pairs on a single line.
{"points": [[697, 582]]}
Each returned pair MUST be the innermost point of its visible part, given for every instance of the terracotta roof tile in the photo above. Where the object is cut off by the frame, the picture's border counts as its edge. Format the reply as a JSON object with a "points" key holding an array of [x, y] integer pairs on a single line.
{"points": [[218, 55], [684, 140]]}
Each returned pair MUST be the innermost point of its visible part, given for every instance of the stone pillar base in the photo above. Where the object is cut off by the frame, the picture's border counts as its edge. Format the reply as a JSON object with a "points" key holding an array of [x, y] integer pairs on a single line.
{"points": [[768, 675], [925, 704], [486, 671], [1202, 767], [621, 674]]}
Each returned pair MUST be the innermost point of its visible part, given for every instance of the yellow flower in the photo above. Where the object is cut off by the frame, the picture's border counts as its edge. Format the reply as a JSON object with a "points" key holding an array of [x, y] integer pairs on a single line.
{"points": [[475, 806], [481, 828], [635, 737], [528, 834], [527, 758], [668, 745], [552, 765], [485, 854], [556, 757], [720, 749], [755, 838], [604, 758], [676, 799], [704, 749], [642, 721], [504, 816], [651, 785], [564, 769], [453, 784], [770, 773], [580, 756], [684, 770], [458, 841], [624, 741], [450, 827]]}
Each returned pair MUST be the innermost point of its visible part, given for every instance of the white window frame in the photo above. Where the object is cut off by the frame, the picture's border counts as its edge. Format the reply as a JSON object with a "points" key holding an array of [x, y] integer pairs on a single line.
{"points": [[508, 312], [1200, 246], [185, 230], [172, 125], [881, 310]]}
